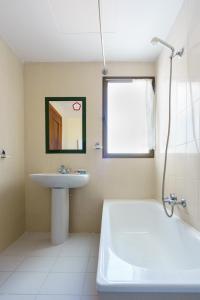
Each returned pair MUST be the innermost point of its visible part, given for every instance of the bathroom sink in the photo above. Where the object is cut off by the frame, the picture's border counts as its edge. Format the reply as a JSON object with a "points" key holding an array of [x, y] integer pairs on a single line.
{"points": [[60, 185], [56, 180]]}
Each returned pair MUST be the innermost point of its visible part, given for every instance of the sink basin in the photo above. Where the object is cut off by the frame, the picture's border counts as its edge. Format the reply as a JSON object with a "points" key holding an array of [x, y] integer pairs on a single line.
{"points": [[56, 180], [60, 185]]}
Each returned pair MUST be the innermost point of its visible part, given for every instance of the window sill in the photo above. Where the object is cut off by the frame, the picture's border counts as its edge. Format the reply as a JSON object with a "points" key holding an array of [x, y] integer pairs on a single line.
{"points": [[131, 155]]}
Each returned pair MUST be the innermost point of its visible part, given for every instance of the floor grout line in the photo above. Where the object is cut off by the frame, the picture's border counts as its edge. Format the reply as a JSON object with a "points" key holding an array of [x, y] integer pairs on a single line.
{"points": [[89, 241]]}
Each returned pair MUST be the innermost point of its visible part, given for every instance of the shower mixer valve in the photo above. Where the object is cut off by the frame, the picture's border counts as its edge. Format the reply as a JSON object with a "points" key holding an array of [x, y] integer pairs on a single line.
{"points": [[173, 200]]}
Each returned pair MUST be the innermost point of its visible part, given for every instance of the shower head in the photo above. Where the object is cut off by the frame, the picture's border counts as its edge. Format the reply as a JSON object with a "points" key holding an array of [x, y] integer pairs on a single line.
{"points": [[157, 40]]}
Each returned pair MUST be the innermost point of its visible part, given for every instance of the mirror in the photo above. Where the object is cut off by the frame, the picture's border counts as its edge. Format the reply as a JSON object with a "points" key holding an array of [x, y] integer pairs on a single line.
{"points": [[65, 124]]}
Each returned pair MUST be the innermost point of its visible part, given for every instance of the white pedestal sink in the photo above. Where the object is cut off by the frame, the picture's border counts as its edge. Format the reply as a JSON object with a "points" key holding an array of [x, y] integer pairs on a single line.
{"points": [[60, 184]]}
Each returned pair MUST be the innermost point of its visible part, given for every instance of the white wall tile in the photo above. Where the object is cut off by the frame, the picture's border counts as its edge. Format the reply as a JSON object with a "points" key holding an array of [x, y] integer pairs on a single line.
{"points": [[181, 133], [184, 165], [181, 96]]}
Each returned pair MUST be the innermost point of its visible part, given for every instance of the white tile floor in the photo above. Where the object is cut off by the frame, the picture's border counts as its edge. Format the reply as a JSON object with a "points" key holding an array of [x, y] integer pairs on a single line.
{"points": [[33, 269]]}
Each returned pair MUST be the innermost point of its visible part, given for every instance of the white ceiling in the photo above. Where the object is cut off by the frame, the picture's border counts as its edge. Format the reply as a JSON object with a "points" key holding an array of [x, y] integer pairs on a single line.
{"points": [[68, 30]]}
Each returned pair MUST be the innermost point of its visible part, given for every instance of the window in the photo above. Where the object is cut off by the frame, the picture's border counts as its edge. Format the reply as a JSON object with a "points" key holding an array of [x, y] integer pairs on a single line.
{"points": [[128, 116]]}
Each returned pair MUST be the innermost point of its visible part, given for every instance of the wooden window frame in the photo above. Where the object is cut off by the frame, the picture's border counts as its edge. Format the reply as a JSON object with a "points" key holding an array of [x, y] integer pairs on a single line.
{"points": [[105, 81]]}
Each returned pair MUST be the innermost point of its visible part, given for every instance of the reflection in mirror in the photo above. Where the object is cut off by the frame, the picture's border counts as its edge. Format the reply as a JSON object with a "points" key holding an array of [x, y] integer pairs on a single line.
{"points": [[65, 125], [65, 130]]}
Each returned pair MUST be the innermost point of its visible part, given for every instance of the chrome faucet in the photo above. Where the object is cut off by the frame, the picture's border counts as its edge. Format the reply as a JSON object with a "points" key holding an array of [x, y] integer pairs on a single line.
{"points": [[63, 170], [173, 200]]}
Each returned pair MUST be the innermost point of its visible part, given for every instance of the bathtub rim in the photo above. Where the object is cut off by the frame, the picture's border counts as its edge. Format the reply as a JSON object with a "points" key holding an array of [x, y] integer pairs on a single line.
{"points": [[105, 286]]}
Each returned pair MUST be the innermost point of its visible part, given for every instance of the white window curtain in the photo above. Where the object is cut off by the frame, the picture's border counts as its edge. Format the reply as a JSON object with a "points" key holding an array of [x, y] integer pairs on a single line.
{"points": [[150, 113]]}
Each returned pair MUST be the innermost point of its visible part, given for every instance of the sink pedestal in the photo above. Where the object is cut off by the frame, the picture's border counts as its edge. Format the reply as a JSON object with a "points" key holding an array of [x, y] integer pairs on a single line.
{"points": [[60, 185], [59, 215]]}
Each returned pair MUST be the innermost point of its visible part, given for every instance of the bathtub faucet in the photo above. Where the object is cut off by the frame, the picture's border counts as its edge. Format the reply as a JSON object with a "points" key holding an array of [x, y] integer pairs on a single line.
{"points": [[173, 200]]}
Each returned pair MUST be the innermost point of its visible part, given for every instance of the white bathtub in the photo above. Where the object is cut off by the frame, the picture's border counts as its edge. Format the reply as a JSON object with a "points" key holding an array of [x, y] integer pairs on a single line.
{"points": [[143, 253]]}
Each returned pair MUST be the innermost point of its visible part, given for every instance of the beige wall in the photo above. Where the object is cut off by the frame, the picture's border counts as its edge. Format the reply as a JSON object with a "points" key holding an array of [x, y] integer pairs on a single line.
{"points": [[183, 171], [115, 178], [12, 204]]}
